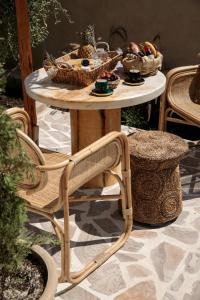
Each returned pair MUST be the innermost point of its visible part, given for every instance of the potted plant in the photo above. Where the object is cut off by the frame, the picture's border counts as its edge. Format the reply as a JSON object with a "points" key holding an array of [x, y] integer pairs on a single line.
{"points": [[26, 271]]}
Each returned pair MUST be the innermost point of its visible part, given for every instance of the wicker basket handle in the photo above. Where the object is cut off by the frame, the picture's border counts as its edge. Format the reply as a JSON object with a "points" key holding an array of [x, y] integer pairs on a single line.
{"points": [[105, 44]]}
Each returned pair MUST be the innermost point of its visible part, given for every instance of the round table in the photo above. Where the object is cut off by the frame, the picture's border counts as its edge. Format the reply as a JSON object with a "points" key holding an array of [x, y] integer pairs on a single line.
{"points": [[92, 117]]}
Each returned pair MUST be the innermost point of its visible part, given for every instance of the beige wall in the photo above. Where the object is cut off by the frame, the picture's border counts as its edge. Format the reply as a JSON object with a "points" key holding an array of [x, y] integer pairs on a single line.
{"points": [[176, 21]]}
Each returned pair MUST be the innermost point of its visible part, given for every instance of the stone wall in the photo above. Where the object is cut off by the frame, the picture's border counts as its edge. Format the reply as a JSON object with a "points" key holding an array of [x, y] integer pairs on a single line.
{"points": [[177, 22]]}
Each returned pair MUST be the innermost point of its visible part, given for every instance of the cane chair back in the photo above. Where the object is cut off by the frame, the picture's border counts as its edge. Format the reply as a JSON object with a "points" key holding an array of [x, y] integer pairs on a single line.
{"points": [[21, 117], [181, 97], [93, 163]]}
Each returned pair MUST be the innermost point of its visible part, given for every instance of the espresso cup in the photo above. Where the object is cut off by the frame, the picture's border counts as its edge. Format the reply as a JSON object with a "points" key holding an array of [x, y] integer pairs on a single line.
{"points": [[134, 75], [101, 85]]}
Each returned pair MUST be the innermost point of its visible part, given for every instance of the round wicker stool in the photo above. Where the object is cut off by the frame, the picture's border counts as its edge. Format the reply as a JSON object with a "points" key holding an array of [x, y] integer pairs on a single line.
{"points": [[156, 187]]}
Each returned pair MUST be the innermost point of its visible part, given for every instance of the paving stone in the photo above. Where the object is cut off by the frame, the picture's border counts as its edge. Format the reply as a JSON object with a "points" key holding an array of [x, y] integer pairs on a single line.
{"points": [[59, 136], [97, 208], [166, 258], [88, 245], [182, 218], [107, 279], [45, 135], [194, 202], [88, 229], [107, 225], [59, 127], [168, 296], [45, 126], [195, 295], [55, 117], [192, 263], [197, 209], [196, 223], [116, 215], [138, 271], [129, 257], [142, 291], [132, 246], [57, 257], [87, 251], [77, 214], [73, 228], [175, 286], [145, 234], [78, 293], [185, 235], [47, 227]]}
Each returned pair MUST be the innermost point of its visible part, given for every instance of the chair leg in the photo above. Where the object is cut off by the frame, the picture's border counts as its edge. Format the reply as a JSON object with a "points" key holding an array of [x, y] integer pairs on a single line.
{"points": [[76, 277], [64, 236], [58, 231]]}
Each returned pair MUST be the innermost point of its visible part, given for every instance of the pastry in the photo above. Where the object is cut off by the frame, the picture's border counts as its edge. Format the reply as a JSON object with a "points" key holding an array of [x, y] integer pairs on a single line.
{"points": [[152, 48], [134, 47]]}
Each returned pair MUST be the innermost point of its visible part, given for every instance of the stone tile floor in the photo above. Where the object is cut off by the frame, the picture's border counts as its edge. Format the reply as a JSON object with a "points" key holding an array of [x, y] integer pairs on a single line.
{"points": [[155, 264]]}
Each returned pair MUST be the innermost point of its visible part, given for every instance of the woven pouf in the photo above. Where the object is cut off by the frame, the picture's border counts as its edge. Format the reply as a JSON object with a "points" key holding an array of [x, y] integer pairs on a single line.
{"points": [[156, 187]]}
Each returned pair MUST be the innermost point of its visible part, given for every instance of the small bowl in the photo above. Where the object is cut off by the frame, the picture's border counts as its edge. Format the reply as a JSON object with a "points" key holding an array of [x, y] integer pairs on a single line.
{"points": [[114, 83]]}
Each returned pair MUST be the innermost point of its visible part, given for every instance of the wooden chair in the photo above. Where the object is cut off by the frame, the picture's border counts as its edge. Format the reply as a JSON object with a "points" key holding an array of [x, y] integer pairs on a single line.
{"points": [[57, 177], [178, 102]]}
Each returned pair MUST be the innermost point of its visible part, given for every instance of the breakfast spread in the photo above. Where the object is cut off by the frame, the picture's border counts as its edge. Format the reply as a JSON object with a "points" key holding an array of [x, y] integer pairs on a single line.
{"points": [[90, 63]]}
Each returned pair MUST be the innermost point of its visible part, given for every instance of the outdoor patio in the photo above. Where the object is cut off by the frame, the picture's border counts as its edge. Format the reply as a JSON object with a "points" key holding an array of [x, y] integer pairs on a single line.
{"points": [[74, 76], [155, 264]]}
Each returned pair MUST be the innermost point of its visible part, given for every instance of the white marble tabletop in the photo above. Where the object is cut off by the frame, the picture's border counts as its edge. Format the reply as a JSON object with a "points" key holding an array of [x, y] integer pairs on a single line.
{"points": [[40, 88]]}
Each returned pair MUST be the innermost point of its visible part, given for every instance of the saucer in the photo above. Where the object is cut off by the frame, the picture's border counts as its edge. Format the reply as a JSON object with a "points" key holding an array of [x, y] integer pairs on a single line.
{"points": [[139, 82], [108, 93]]}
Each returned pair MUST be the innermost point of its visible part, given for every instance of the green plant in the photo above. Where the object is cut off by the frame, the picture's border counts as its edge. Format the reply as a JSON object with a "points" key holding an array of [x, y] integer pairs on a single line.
{"points": [[2, 79], [14, 165], [134, 117], [39, 12]]}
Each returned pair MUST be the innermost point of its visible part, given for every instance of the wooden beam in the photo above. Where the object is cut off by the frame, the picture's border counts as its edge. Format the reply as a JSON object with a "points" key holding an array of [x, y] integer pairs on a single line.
{"points": [[25, 59]]}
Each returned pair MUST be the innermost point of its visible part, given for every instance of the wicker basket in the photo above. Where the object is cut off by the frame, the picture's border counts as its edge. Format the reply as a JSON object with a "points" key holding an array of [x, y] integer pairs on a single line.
{"points": [[80, 77], [156, 187], [147, 67]]}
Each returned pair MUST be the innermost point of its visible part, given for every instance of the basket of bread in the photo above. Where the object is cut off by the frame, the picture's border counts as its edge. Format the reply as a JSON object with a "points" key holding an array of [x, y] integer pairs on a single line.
{"points": [[83, 66], [144, 57]]}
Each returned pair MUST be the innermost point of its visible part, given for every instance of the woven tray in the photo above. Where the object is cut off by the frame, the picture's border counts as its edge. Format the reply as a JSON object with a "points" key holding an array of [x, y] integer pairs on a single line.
{"points": [[80, 77], [149, 67]]}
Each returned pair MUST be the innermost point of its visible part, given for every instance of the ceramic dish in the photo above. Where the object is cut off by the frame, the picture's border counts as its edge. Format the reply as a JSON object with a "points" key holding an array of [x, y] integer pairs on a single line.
{"points": [[108, 93], [127, 82]]}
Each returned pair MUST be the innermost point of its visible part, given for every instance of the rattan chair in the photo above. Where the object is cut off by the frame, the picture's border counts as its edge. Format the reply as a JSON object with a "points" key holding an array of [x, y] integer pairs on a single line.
{"points": [[179, 102], [57, 177]]}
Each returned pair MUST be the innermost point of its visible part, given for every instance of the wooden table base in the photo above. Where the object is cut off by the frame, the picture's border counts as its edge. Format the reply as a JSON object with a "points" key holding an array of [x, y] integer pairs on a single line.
{"points": [[87, 126]]}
